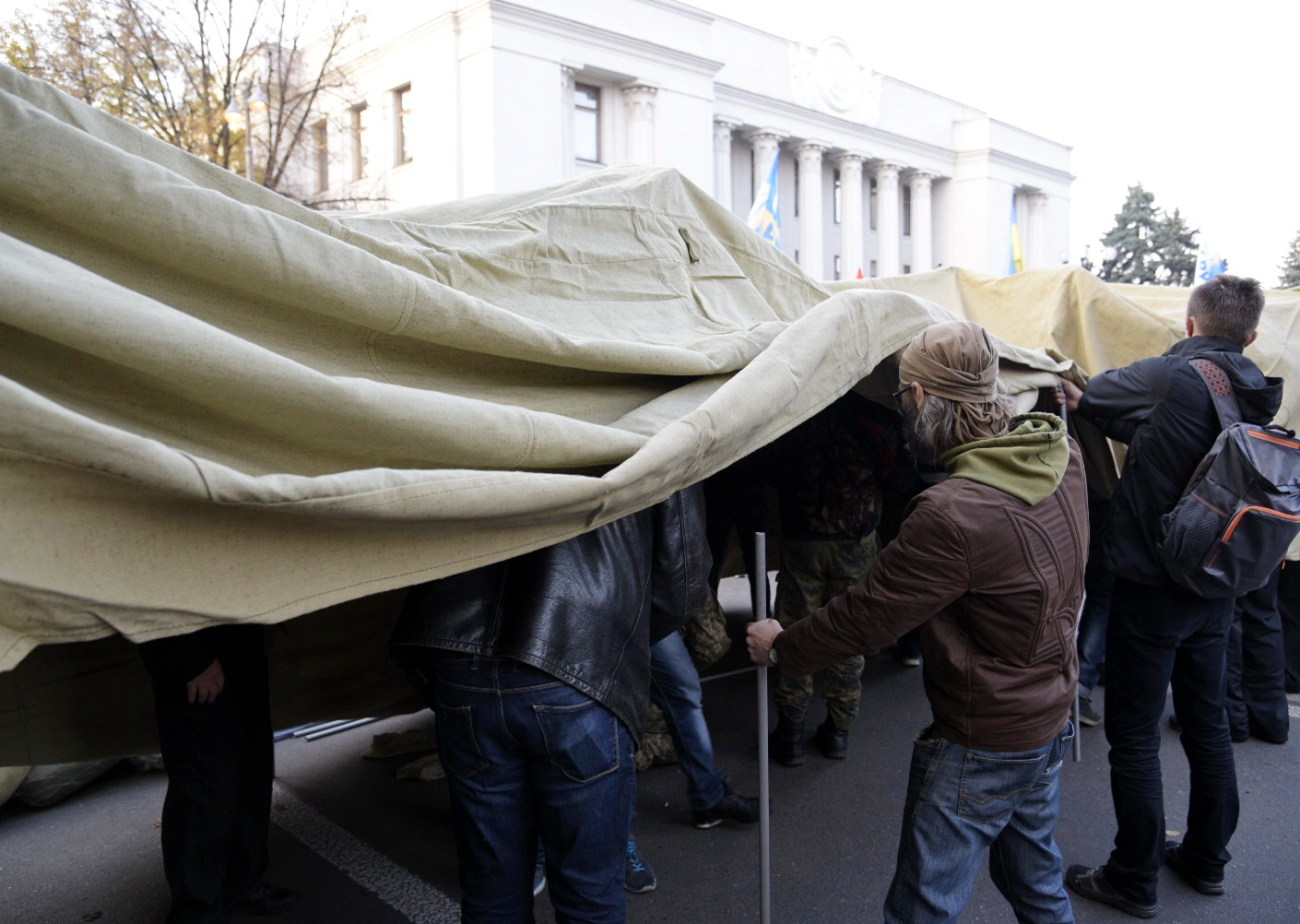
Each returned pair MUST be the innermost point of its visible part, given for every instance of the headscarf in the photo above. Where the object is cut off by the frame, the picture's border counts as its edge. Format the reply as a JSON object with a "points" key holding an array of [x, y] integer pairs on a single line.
{"points": [[956, 360]]}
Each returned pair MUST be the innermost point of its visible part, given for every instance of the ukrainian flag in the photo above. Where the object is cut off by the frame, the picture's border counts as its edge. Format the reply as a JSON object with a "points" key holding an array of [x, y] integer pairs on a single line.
{"points": [[765, 216], [1017, 251]]}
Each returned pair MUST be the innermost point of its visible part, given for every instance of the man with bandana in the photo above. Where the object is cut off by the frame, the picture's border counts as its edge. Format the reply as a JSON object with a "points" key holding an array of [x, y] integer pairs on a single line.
{"points": [[989, 564]]}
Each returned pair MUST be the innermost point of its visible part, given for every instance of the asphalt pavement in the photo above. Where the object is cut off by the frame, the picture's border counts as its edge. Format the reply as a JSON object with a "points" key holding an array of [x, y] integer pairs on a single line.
{"points": [[362, 846]]}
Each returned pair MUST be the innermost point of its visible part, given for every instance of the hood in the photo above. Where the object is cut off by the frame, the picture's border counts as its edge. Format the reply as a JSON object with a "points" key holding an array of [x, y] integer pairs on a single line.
{"points": [[1259, 403], [1027, 462]]}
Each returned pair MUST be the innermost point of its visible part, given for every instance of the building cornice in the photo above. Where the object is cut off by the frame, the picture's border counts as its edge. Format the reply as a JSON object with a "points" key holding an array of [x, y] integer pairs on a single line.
{"points": [[561, 27], [1020, 164], [872, 143]]}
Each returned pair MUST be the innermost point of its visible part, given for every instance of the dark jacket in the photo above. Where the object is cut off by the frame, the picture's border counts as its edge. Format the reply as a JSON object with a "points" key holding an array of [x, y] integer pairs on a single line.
{"points": [[1160, 407], [181, 658], [989, 562], [832, 472], [585, 611]]}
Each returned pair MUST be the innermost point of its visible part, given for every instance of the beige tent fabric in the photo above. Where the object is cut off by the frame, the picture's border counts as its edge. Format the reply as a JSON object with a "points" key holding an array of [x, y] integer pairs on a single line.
{"points": [[217, 406]]}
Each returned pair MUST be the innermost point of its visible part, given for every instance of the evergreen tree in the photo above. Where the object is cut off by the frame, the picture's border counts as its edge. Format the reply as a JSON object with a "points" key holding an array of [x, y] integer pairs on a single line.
{"points": [[1291, 265], [1133, 238], [1176, 249]]}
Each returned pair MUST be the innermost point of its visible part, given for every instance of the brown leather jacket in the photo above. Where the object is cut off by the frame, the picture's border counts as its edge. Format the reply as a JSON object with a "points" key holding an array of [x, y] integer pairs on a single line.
{"points": [[990, 564]]}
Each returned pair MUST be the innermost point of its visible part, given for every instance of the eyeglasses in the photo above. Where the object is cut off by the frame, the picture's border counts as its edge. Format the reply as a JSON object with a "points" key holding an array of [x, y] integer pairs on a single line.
{"points": [[898, 395]]}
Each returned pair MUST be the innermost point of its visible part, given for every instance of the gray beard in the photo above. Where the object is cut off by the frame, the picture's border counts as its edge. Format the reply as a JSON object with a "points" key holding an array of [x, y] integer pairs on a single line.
{"points": [[923, 451]]}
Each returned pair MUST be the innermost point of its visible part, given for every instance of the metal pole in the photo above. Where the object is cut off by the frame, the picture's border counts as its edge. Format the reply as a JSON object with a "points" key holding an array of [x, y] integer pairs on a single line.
{"points": [[1078, 726], [341, 727], [764, 784]]}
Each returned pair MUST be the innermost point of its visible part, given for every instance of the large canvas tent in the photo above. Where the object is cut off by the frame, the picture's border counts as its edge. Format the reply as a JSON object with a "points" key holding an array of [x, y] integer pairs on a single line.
{"points": [[218, 406]]}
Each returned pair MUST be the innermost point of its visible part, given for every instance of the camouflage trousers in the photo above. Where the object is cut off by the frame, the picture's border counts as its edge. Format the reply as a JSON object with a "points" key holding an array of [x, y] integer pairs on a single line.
{"points": [[812, 572]]}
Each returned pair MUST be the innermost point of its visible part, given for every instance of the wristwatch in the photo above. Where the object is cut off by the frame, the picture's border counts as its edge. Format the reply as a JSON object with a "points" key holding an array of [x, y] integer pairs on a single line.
{"points": [[771, 655]]}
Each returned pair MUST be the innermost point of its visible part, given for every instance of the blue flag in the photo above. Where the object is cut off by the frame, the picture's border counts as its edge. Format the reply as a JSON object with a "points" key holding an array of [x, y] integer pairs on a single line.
{"points": [[1017, 264], [1209, 265], [765, 216]]}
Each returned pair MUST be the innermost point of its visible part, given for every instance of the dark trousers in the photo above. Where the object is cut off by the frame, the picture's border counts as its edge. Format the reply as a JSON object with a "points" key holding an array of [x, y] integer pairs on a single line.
{"points": [[1288, 604], [1256, 668], [220, 765], [1155, 638]]}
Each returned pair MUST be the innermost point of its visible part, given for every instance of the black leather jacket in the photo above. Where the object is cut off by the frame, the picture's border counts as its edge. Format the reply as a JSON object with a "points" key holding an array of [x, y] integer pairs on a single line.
{"points": [[585, 611], [1162, 409]]}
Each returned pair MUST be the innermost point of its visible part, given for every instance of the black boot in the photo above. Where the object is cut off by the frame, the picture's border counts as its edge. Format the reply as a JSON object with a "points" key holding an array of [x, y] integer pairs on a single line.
{"points": [[831, 741], [785, 745]]}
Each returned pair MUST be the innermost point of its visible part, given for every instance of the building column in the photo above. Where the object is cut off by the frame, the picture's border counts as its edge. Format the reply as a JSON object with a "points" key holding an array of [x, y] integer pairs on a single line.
{"points": [[888, 243], [567, 80], [853, 258], [766, 142], [639, 102], [1036, 245], [723, 129], [812, 232], [922, 223]]}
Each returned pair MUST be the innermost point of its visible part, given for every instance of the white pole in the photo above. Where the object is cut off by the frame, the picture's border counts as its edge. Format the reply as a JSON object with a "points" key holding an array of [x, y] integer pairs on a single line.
{"points": [[764, 784]]}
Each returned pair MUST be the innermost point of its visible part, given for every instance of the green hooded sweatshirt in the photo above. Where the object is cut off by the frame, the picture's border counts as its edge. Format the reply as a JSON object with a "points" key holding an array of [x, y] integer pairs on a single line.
{"points": [[1027, 462]]}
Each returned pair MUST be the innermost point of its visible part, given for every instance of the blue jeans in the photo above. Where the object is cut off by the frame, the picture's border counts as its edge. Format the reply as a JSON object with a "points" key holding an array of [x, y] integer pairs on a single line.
{"points": [[528, 756], [961, 801], [675, 689], [1157, 638]]}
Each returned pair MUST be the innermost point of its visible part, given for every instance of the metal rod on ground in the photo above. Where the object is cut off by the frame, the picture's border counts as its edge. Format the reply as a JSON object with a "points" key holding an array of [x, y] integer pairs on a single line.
{"points": [[764, 784], [305, 730], [291, 732], [340, 728]]}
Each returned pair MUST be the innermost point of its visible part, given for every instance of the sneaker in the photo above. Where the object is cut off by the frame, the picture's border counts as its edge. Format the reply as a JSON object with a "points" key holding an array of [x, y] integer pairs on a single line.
{"points": [[731, 806], [1174, 859], [638, 877], [266, 900], [1088, 715], [1091, 883]]}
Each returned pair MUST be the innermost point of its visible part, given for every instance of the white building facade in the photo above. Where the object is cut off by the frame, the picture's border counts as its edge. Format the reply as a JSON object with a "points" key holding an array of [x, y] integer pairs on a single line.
{"points": [[450, 98]]}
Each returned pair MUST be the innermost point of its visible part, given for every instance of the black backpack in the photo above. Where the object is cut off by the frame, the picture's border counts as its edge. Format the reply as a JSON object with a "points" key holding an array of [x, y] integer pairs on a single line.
{"points": [[1241, 509]]}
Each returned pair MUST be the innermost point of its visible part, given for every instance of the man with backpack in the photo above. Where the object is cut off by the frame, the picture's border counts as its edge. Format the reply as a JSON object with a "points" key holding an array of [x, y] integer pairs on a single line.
{"points": [[1158, 632]]}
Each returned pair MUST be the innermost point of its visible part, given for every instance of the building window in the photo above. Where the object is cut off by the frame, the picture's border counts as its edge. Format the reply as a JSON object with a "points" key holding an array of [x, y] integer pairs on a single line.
{"points": [[401, 113], [837, 202], [586, 122], [358, 141], [837, 267], [873, 269], [907, 269], [907, 211], [321, 141], [873, 205]]}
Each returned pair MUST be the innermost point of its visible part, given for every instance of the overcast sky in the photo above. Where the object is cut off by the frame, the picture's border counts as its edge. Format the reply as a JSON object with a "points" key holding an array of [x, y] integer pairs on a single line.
{"points": [[1195, 101]]}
